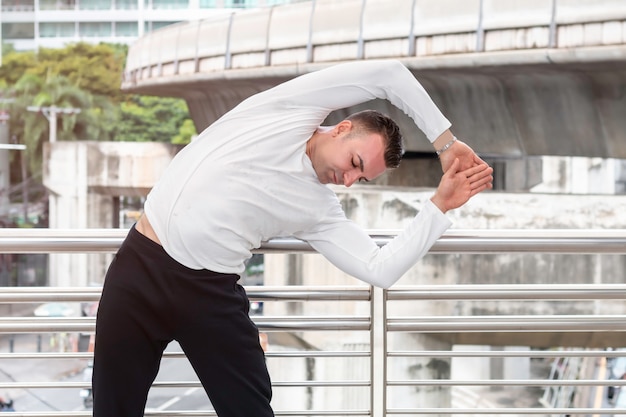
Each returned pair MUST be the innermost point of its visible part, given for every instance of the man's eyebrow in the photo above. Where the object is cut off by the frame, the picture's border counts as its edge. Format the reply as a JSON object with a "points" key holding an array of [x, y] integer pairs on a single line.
{"points": [[362, 168]]}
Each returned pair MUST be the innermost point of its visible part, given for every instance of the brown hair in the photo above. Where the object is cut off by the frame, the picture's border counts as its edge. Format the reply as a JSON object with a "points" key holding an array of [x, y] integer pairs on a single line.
{"points": [[372, 121]]}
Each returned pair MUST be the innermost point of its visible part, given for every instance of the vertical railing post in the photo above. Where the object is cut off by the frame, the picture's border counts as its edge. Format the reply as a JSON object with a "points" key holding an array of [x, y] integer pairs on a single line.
{"points": [[228, 53], [480, 29], [268, 47], [378, 351], [196, 58], [309, 44], [360, 52], [552, 36], [412, 48]]}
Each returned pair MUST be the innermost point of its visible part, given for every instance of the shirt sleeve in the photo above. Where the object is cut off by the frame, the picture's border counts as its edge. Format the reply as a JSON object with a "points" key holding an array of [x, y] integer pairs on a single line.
{"points": [[353, 83], [352, 250]]}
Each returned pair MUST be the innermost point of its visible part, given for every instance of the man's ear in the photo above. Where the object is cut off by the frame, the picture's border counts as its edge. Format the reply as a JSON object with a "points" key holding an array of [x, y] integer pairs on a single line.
{"points": [[342, 127]]}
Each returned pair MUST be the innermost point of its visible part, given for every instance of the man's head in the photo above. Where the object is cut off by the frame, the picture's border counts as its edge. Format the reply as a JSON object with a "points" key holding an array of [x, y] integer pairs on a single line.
{"points": [[372, 121], [359, 148]]}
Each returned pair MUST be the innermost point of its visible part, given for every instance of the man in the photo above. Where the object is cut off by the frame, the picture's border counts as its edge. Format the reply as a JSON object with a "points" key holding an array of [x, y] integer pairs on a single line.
{"points": [[256, 173]]}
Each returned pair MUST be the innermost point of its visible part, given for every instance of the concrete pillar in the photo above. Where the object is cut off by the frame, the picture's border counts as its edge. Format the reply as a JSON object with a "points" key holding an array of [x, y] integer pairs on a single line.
{"points": [[67, 206], [85, 180]]}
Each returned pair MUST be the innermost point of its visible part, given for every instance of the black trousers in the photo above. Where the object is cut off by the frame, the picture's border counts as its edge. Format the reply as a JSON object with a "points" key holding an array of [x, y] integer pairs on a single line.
{"points": [[147, 301]]}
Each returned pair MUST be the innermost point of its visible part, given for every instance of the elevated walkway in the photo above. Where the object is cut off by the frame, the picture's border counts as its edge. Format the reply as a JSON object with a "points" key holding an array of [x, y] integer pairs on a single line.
{"points": [[516, 78]]}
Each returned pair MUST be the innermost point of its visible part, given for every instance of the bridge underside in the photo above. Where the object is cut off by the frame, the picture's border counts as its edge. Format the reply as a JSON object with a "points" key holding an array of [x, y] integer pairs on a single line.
{"points": [[503, 110]]}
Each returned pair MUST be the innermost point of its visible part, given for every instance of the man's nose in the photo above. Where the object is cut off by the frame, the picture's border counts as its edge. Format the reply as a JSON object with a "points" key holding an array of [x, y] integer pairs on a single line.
{"points": [[349, 178]]}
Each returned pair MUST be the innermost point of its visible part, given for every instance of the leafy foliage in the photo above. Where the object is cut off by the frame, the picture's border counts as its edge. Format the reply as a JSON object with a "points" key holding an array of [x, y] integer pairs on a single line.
{"points": [[94, 68], [138, 111], [88, 77], [85, 77]]}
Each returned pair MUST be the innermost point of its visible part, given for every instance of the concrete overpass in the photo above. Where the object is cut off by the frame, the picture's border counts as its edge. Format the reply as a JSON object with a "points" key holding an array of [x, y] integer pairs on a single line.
{"points": [[516, 78]]}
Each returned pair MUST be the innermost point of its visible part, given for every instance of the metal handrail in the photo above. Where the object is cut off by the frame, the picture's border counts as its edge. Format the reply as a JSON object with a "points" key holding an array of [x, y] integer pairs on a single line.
{"points": [[470, 241], [455, 241]]}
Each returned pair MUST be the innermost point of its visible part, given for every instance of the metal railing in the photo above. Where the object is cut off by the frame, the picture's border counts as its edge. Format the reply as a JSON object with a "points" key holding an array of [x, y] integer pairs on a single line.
{"points": [[376, 382]]}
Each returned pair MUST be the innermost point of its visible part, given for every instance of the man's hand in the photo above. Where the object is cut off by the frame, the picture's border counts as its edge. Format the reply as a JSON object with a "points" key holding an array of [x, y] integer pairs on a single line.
{"points": [[458, 185]]}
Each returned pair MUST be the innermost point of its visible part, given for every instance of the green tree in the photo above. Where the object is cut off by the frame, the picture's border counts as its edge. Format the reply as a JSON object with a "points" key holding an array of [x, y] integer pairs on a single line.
{"points": [[138, 115], [108, 114], [186, 132], [94, 68], [15, 64], [34, 128]]}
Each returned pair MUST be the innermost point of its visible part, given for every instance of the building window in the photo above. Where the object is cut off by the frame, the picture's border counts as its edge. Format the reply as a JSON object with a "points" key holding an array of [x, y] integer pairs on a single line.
{"points": [[126, 4], [56, 30], [95, 29], [278, 2], [240, 3], [18, 5], [95, 5], [126, 29], [57, 4], [167, 4], [150, 26], [18, 31], [207, 4]]}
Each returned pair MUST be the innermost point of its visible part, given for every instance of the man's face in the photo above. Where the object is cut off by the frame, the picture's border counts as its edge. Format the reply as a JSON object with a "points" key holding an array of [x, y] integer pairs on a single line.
{"points": [[348, 156]]}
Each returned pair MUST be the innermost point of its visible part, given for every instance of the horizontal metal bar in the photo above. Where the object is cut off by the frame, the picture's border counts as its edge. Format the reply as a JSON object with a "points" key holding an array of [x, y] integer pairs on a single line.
{"points": [[178, 384], [186, 413], [355, 354], [509, 292], [457, 241], [303, 293], [16, 325], [506, 354], [181, 355], [344, 325], [12, 146], [355, 383], [313, 384], [49, 355], [318, 354], [44, 385], [356, 293], [507, 411], [255, 293], [437, 324], [323, 413], [508, 383], [447, 324], [419, 411]]}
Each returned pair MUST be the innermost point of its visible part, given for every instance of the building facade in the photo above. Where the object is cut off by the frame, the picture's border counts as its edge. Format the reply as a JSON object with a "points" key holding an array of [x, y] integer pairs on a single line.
{"points": [[31, 24]]}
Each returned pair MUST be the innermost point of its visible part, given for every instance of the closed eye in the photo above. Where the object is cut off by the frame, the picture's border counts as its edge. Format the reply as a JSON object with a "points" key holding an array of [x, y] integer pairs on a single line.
{"points": [[361, 168]]}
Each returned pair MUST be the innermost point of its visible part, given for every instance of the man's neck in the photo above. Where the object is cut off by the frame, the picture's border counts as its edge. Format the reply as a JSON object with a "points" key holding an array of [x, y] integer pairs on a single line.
{"points": [[318, 135]]}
